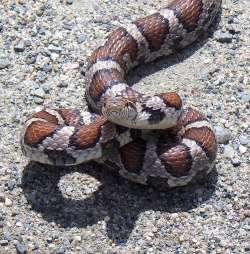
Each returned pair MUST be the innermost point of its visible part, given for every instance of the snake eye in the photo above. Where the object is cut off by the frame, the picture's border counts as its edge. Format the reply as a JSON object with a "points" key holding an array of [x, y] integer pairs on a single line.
{"points": [[130, 104]]}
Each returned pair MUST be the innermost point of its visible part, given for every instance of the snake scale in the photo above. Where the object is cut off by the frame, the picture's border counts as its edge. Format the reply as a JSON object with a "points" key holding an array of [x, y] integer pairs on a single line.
{"points": [[146, 139]]}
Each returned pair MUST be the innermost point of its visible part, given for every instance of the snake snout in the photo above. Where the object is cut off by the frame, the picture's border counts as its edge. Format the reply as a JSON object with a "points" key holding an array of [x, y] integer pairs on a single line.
{"points": [[118, 108]]}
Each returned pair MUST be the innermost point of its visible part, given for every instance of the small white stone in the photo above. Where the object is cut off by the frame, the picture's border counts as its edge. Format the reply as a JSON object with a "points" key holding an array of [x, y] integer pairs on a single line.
{"points": [[52, 246], [229, 151], [19, 224], [39, 93], [54, 56], [242, 149], [223, 135], [8, 202], [77, 238]]}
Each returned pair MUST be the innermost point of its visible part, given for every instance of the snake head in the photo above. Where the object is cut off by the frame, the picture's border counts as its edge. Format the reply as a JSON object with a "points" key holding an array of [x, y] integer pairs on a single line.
{"points": [[118, 108]]}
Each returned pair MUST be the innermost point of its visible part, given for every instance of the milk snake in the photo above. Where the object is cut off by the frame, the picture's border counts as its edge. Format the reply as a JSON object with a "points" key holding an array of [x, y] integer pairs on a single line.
{"points": [[146, 139]]}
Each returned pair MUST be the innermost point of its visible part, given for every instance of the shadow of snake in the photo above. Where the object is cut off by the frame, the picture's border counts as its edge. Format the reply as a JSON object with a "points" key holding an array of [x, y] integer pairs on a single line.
{"points": [[116, 198]]}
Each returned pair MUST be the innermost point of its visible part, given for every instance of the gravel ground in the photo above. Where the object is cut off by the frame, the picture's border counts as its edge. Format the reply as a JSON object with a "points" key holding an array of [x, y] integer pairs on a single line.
{"points": [[43, 49]]}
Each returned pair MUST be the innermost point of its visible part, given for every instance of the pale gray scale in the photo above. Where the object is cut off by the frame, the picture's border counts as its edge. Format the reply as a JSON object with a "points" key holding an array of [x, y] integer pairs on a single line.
{"points": [[103, 65], [199, 124], [152, 159], [124, 138], [143, 46], [115, 90], [86, 117], [128, 61], [179, 181], [172, 116], [142, 115], [142, 179], [155, 102], [164, 51], [175, 27], [36, 154], [59, 141], [55, 114], [170, 120], [85, 155], [200, 159]]}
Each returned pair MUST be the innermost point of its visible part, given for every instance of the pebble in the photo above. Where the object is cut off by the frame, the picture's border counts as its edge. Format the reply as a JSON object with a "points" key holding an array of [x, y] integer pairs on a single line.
{"points": [[77, 238], [49, 240], [223, 135], [31, 58], [41, 76], [4, 63], [54, 56], [19, 224], [69, 1], [229, 151], [1, 27], [141, 242], [38, 100], [47, 68], [54, 49], [245, 97], [2, 197], [244, 140], [21, 248], [11, 185], [21, 1], [63, 84], [233, 29], [223, 37], [20, 46], [236, 162], [8, 202], [4, 242], [60, 250], [40, 11], [8, 237], [39, 93], [81, 38], [46, 87], [242, 149]]}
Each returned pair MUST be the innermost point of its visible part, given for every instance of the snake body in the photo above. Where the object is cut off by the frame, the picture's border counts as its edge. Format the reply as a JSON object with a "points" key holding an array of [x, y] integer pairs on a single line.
{"points": [[147, 139]]}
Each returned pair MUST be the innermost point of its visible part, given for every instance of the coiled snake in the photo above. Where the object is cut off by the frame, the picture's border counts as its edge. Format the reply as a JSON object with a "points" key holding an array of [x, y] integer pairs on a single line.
{"points": [[147, 139]]}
